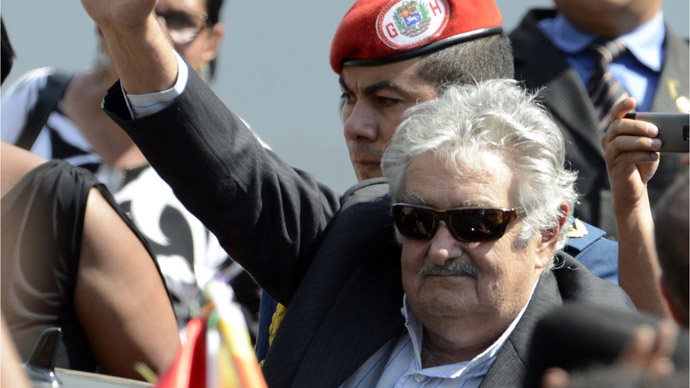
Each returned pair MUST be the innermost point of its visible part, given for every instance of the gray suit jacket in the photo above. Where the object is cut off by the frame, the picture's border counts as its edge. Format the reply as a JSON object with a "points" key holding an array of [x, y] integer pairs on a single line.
{"points": [[334, 262], [539, 63]]}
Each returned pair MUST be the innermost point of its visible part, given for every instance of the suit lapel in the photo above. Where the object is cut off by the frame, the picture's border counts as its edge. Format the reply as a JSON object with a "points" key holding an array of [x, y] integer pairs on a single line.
{"points": [[673, 81], [539, 62], [567, 100], [510, 366]]}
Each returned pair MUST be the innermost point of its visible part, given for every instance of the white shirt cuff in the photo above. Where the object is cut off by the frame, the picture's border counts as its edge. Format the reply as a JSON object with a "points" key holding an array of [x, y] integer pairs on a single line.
{"points": [[141, 105]]}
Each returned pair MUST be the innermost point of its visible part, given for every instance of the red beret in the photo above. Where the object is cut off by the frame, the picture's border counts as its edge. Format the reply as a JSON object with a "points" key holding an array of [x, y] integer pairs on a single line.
{"points": [[374, 32]]}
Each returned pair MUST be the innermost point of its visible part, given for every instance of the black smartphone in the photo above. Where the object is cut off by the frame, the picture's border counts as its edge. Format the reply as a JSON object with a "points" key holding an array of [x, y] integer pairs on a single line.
{"points": [[673, 128]]}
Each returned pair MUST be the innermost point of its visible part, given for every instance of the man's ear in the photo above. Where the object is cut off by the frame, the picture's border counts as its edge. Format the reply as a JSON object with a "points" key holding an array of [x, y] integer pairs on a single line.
{"points": [[213, 42], [549, 238]]}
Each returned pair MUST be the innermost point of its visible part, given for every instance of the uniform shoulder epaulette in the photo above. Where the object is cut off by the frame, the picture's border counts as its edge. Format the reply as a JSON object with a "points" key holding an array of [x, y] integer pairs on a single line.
{"points": [[581, 235]]}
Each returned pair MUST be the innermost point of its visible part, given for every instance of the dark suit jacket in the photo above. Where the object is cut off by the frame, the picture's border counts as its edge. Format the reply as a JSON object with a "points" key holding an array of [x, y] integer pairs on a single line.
{"points": [[539, 63], [334, 263]]}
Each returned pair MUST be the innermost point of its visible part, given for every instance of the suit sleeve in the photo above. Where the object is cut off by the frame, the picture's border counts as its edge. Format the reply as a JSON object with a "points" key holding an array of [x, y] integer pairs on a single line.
{"points": [[268, 216]]}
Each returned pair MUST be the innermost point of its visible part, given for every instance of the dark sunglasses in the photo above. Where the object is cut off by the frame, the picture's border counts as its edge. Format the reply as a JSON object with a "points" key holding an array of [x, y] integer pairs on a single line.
{"points": [[465, 224]]}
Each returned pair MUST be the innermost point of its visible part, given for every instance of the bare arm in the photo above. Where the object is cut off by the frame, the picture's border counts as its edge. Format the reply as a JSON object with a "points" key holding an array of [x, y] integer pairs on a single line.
{"points": [[631, 160], [11, 373], [120, 298], [142, 53], [15, 163]]}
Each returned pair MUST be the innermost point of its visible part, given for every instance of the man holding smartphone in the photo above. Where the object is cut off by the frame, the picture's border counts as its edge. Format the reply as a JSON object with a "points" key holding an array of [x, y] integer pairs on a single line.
{"points": [[560, 49]]}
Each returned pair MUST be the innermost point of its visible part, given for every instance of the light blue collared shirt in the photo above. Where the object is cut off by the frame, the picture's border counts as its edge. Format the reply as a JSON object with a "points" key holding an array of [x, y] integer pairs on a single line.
{"points": [[399, 362], [638, 70]]}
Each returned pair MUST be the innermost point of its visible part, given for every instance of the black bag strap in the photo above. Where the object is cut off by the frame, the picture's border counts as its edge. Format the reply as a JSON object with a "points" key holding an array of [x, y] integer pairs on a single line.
{"points": [[48, 98]]}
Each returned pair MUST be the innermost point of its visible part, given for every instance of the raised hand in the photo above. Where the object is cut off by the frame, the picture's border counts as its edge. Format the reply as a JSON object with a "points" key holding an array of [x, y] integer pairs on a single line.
{"points": [[631, 153], [119, 13], [138, 45]]}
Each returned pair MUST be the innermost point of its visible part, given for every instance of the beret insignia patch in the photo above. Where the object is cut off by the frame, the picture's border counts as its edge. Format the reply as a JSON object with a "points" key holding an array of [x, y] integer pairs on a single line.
{"points": [[406, 24]]}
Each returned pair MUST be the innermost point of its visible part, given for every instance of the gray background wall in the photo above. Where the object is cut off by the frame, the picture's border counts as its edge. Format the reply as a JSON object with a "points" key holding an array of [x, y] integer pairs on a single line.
{"points": [[273, 66]]}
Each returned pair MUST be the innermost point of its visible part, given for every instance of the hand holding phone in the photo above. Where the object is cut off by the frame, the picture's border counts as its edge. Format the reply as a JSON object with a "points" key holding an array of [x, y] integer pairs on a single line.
{"points": [[673, 128]]}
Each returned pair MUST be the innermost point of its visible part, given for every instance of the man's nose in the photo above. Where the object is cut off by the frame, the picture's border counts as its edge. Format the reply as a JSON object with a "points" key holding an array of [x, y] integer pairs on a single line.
{"points": [[443, 245], [360, 124]]}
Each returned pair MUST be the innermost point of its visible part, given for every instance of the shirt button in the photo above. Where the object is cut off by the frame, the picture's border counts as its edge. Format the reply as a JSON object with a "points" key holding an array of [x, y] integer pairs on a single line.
{"points": [[419, 378]]}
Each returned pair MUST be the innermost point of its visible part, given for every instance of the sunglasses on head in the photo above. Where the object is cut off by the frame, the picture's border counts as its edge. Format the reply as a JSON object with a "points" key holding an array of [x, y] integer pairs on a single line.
{"points": [[465, 224]]}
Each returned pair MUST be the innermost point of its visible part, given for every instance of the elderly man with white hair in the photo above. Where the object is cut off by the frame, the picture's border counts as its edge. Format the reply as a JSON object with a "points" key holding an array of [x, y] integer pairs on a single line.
{"points": [[481, 198]]}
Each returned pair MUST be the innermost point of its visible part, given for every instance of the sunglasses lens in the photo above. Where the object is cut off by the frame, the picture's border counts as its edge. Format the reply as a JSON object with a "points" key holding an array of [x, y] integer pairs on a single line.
{"points": [[477, 224], [468, 224], [414, 223]]}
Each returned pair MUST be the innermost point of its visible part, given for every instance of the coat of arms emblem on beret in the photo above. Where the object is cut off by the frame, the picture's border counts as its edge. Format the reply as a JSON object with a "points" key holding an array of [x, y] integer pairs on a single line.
{"points": [[406, 24]]}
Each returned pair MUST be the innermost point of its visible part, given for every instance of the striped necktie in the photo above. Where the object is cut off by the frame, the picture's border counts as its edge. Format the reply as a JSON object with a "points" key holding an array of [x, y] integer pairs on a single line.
{"points": [[603, 88]]}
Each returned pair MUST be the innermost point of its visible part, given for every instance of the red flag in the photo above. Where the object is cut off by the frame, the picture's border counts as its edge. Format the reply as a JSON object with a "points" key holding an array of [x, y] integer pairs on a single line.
{"points": [[189, 368]]}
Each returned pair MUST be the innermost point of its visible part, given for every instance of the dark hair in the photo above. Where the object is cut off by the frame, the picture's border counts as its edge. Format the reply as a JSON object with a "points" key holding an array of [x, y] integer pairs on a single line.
{"points": [[213, 11], [7, 54], [480, 59]]}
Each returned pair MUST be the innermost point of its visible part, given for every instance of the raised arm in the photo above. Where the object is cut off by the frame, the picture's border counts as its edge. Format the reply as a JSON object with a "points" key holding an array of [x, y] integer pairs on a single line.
{"points": [[268, 216], [632, 157], [140, 49]]}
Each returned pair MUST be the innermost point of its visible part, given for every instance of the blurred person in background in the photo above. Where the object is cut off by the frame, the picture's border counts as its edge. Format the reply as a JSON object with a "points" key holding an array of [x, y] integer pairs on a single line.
{"points": [[588, 54], [74, 128], [72, 259]]}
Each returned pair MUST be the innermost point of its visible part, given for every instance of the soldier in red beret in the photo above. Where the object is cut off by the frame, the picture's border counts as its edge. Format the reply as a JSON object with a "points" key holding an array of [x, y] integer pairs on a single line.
{"points": [[391, 55]]}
